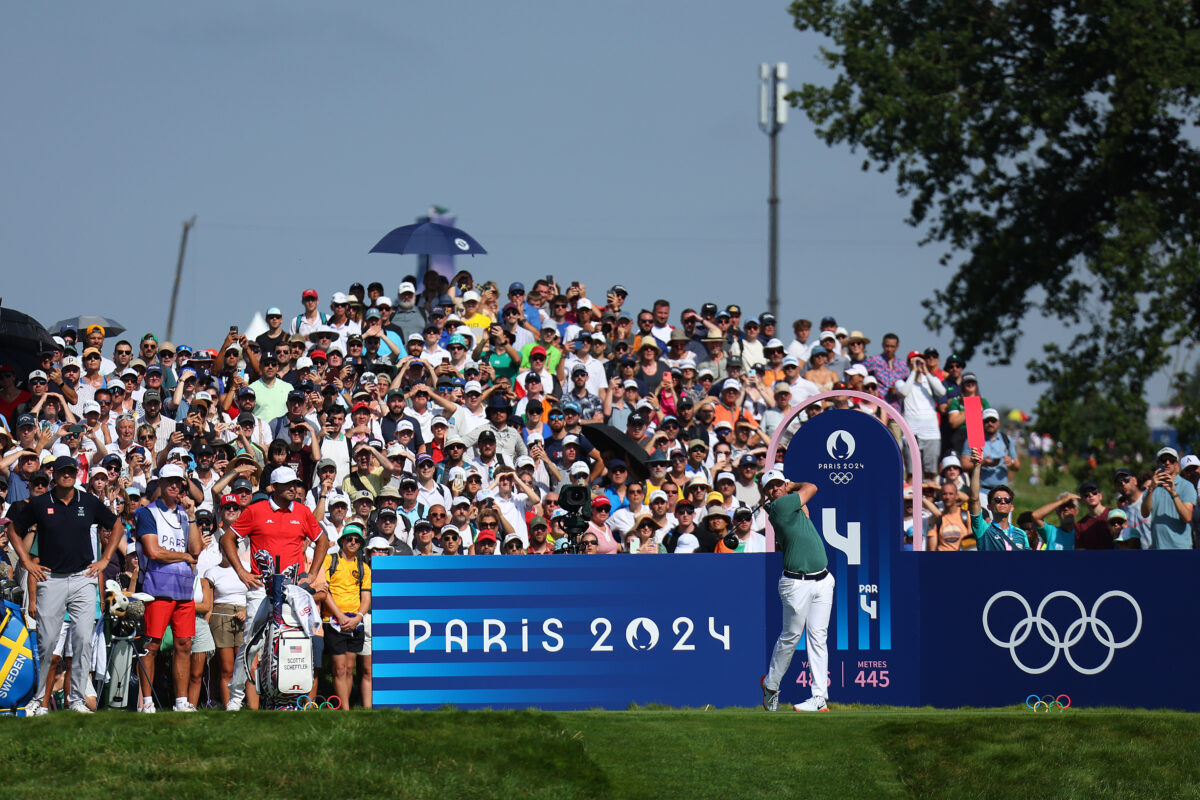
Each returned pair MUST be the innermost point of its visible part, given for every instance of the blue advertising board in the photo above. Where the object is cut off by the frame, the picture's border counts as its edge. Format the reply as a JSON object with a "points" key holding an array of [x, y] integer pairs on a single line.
{"points": [[570, 632], [1113, 627]]}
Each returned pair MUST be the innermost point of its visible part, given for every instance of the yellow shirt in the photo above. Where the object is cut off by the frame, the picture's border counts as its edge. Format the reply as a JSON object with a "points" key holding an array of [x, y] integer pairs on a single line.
{"points": [[343, 586], [478, 320]]}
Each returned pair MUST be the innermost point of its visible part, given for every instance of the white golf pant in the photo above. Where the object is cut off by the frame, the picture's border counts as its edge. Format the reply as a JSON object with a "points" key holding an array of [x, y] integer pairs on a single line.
{"points": [[806, 608]]}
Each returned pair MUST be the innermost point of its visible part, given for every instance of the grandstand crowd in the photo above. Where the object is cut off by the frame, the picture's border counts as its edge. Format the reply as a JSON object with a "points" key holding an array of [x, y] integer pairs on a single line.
{"points": [[447, 420]]}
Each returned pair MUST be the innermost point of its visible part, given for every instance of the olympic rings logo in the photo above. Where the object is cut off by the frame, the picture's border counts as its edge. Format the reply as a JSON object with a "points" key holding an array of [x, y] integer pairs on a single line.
{"points": [[841, 478], [1047, 702], [306, 703], [1074, 633]]}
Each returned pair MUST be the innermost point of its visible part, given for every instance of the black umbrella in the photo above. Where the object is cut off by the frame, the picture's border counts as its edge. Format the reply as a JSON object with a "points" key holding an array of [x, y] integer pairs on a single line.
{"points": [[21, 339], [613, 442], [82, 322]]}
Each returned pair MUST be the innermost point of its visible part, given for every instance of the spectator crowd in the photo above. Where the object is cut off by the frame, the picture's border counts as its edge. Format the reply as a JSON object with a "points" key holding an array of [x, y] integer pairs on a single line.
{"points": [[447, 420]]}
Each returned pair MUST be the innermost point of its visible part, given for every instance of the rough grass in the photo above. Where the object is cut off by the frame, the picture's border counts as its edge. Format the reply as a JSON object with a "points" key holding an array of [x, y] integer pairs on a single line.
{"points": [[693, 754]]}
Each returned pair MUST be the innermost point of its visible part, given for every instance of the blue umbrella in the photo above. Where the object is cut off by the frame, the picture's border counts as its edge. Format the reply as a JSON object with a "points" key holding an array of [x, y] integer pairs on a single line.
{"points": [[428, 238]]}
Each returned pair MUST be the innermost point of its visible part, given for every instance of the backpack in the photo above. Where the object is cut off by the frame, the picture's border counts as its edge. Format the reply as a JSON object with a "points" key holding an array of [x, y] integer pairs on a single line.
{"points": [[300, 318]]}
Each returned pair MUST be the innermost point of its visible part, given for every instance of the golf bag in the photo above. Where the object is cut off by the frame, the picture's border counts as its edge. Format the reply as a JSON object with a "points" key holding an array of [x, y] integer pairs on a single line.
{"points": [[282, 635], [18, 659], [125, 620]]}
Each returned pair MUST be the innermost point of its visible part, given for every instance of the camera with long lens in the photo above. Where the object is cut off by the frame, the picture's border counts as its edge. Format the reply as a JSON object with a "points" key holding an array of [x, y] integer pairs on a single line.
{"points": [[577, 502]]}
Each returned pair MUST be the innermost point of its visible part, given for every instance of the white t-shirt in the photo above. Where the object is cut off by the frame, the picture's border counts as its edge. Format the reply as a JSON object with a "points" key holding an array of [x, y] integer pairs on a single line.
{"points": [[513, 509], [227, 586]]}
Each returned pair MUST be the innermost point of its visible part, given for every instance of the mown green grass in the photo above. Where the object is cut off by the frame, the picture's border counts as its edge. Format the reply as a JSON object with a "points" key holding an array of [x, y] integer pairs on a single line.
{"points": [[692, 754]]}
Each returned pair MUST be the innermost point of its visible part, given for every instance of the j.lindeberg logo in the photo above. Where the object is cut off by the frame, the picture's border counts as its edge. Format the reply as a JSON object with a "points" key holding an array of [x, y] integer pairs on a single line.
{"points": [[1073, 635]]}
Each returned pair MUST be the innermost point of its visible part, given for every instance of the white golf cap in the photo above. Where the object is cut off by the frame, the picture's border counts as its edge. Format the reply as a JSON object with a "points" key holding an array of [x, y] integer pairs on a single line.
{"points": [[470, 295], [580, 468], [383, 300], [339, 298], [951, 461], [856, 369], [773, 476], [172, 471], [281, 476], [406, 288], [991, 413], [657, 494], [1189, 461], [303, 362], [473, 386], [90, 406], [724, 476], [461, 500], [584, 303], [378, 543], [1167, 451]]}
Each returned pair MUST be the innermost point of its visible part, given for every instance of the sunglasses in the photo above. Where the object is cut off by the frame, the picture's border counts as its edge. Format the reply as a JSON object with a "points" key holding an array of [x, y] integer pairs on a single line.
{"points": [[1002, 501]]}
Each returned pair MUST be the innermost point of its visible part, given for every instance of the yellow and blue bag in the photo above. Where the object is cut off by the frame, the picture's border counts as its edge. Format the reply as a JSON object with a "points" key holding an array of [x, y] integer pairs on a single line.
{"points": [[18, 660]]}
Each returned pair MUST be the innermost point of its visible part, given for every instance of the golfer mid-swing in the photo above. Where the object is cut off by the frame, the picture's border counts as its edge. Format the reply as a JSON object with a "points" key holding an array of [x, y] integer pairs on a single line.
{"points": [[806, 589]]}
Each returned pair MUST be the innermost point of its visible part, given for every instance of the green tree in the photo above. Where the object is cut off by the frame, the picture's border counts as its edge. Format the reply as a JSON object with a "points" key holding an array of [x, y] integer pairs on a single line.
{"points": [[1047, 148]]}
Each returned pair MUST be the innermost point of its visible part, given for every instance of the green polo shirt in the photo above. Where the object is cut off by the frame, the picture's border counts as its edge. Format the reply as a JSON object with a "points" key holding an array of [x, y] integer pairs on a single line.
{"points": [[802, 546]]}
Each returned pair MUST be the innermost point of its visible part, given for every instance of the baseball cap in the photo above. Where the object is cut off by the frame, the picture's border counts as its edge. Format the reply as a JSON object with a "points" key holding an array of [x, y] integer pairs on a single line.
{"points": [[307, 293], [601, 500], [65, 463], [242, 483], [282, 476], [167, 472], [579, 468], [772, 476], [991, 413], [856, 369], [486, 535], [969, 377], [229, 499], [1167, 451], [1189, 460]]}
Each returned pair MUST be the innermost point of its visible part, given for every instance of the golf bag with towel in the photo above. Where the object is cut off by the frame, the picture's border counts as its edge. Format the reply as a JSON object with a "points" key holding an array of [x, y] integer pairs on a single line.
{"points": [[18, 653], [281, 636], [125, 618]]}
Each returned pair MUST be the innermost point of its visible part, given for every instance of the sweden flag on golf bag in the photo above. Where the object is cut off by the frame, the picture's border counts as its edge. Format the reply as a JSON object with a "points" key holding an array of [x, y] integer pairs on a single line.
{"points": [[18, 660]]}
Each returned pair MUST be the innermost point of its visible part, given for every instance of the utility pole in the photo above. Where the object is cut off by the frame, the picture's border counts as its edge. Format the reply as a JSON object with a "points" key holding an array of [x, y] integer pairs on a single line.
{"points": [[187, 226], [772, 116]]}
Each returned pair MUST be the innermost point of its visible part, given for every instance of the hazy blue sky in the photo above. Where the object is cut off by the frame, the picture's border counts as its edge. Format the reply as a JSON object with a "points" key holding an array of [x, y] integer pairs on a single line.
{"points": [[612, 142]]}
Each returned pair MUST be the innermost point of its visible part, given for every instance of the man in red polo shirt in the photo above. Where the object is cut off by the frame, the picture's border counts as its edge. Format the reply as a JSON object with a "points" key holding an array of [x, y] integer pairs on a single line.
{"points": [[281, 525]]}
